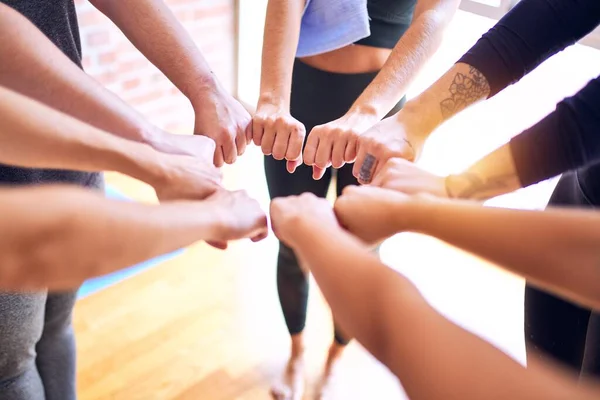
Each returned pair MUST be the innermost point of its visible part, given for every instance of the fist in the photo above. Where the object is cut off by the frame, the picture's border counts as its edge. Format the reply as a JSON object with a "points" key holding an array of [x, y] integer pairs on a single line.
{"points": [[278, 134]]}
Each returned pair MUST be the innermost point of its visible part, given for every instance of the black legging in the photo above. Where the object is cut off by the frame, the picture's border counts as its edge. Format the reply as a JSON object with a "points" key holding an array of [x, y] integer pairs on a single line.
{"points": [[317, 97], [557, 328]]}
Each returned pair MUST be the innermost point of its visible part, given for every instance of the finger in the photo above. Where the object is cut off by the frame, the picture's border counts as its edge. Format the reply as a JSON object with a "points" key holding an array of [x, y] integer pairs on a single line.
{"points": [[240, 141], [249, 130], [338, 153], [367, 169], [323, 157], [350, 150], [258, 131], [280, 145], [229, 150], [294, 148], [268, 139], [261, 236], [310, 149], [218, 245], [292, 165], [318, 172], [219, 157], [360, 158]]}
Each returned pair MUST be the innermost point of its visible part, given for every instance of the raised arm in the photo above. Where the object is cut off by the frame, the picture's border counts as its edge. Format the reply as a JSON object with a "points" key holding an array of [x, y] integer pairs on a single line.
{"points": [[272, 118], [530, 33], [541, 246], [77, 234], [154, 30], [33, 135], [432, 357], [410, 54]]}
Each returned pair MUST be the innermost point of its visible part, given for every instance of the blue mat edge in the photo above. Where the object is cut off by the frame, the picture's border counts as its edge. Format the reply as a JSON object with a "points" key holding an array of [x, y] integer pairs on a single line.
{"points": [[97, 284]]}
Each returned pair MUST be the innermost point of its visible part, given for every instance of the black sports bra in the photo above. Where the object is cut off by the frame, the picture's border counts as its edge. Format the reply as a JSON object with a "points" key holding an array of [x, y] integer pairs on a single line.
{"points": [[388, 20]]}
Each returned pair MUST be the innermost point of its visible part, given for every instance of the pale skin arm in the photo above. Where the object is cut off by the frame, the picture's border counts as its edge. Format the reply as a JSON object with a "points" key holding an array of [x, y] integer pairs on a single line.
{"points": [[273, 128], [78, 234], [432, 357], [403, 134], [153, 29], [335, 143], [33, 135]]}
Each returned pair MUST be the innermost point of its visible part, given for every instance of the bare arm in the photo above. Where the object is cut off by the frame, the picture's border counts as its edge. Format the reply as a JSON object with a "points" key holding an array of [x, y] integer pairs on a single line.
{"points": [[432, 357], [417, 45], [273, 128], [78, 234], [282, 29], [41, 71], [153, 29], [35, 136], [541, 246]]}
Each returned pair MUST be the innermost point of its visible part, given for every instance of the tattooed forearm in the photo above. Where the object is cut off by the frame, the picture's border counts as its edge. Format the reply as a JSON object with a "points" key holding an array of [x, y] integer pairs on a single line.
{"points": [[465, 89], [470, 185]]}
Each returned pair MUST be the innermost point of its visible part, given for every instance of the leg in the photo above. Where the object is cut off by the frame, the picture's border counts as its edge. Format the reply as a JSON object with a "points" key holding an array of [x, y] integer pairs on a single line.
{"points": [[554, 328], [56, 348], [292, 282], [21, 321]]}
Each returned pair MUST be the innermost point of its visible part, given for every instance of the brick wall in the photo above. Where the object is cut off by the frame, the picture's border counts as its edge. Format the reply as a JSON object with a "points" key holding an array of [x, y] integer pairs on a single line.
{"points": [[111, 58]]}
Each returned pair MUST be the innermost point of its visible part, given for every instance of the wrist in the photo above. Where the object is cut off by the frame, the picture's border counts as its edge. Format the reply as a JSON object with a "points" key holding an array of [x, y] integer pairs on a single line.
{"points": [[205, 88], [417, 120], [412, 215], [305, 232], [274, 98]]}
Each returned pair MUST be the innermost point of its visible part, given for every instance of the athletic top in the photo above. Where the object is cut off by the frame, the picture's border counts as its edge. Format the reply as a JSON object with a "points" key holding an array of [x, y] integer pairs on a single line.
{"points": [[388, 20], [569, 137], [58, 21], [328, 25]]}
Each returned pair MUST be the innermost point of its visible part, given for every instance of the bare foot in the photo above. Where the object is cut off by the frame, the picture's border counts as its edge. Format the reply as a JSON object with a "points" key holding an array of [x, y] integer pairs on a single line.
{"points": [[291, 386], [327, 383]]}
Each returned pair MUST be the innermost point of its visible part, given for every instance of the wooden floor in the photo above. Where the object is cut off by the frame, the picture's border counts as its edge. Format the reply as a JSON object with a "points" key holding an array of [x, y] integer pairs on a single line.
{"points": [[207, 325]]}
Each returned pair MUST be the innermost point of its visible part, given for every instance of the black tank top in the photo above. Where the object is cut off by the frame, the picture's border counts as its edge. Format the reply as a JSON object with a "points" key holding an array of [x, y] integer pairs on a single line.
{"points": [[388, 20]]}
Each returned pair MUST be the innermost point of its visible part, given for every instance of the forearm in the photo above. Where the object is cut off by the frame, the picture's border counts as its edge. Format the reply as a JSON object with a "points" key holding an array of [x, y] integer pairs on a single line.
{"points": [[33, 135], [491, 176], [460, 87], [282, 29], [153, 29], [543, 247], [387, 315], [78, 234], [39, 70], [415, 48]]}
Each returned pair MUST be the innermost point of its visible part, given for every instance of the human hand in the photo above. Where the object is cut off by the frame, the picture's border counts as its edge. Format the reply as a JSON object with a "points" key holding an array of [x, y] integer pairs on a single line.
{"points": [[237, 216], [223, 119], [278, 134], [334, 143], [406, 177], [290, 214], [187, 177], [392, 137], [373, 214]]}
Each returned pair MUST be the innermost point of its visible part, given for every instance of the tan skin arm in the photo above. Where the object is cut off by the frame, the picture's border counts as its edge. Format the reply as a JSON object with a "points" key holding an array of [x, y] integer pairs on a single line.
{"points": [[432, 357], [33, 135], [542, 246], [153, 29], [77, 234]]}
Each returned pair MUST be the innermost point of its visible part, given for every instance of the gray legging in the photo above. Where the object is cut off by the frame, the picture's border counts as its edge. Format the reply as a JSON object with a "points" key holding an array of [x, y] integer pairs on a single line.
{"points": [[37, 343], [37, 346]]}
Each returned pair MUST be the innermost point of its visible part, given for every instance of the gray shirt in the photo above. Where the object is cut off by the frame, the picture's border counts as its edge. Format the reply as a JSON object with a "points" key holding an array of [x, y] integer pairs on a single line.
{"points": [[58, 21]]}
